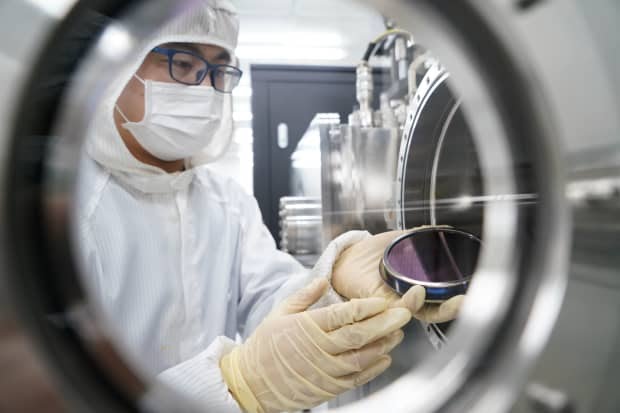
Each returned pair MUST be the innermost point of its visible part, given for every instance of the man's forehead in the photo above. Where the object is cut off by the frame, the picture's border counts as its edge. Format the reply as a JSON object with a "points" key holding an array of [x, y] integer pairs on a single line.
{"points": [[208, 51]]}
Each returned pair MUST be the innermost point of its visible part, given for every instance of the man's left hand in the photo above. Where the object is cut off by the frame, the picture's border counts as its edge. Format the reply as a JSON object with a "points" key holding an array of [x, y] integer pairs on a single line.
{"points": [[356, 275]]}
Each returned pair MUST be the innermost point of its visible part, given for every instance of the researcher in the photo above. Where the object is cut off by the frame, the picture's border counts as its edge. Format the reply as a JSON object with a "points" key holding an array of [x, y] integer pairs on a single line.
{"points": [[178, 258]]}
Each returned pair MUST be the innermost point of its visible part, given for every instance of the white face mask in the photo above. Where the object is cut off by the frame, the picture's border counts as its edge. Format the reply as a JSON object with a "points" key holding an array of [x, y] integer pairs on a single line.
{"points": [[179, 120]]}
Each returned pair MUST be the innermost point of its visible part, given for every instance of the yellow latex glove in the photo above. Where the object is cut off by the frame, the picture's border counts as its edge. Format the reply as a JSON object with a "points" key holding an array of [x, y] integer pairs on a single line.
{"points": [[356, 275], [297, 359]]}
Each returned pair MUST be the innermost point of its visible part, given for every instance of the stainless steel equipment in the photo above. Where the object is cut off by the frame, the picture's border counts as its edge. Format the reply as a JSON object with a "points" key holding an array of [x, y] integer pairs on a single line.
{"points": [[300, 228], [371, 180], [301, 216], [535, 88], [358, 171], [439, 177], [359, 159]]}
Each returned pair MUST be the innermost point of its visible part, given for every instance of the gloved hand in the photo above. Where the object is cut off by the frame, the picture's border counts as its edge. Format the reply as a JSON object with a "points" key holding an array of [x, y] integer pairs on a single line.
{"points": [[297, 359], [356, 275]]}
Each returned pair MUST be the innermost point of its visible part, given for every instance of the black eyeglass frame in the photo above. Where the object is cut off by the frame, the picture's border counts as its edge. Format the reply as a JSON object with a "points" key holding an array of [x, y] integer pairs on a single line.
{"points": [[211, 68]]}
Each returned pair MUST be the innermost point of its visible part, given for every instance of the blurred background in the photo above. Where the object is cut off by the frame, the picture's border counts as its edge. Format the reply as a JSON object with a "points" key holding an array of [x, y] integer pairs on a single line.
{"points": [[294, 33]]}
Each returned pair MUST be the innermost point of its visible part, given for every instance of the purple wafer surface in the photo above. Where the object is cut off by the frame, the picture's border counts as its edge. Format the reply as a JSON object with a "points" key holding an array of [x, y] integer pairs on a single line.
{"points": [[434, 256]]}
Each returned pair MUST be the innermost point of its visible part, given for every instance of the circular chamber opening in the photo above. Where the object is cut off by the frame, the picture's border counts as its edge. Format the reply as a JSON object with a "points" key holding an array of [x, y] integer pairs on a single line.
{"points": [[441, 179], [476, 148]]}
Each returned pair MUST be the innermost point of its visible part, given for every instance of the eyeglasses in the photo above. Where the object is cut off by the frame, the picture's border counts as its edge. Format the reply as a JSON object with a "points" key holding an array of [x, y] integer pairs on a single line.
{"points": [[191, 69], [441, 259]]}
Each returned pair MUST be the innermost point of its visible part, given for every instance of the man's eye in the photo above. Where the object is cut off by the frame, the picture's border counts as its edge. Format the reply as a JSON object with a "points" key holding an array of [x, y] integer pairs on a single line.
{"points": [[183, 65]]}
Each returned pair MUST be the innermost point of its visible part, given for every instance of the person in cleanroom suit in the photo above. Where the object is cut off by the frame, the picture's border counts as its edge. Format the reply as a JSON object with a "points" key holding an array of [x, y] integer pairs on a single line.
{"points": [[180, 263]]}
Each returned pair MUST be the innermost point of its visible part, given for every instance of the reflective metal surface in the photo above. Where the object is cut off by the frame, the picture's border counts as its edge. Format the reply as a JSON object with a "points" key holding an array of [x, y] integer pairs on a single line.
{"points": [[360, 167], [439, 176], [535, 91], [301, 228], [306, 159]]}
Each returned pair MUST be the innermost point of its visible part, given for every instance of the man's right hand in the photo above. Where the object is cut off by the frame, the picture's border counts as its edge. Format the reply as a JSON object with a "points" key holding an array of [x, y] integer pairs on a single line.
{"points": [[297, 359]]}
